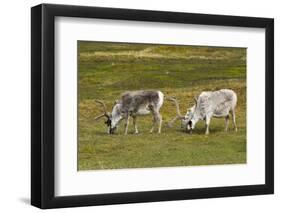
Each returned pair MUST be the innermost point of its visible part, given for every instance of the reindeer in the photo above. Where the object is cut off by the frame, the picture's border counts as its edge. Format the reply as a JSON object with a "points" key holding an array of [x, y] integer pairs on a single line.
{"points": [[217, 104], [133, 104]]}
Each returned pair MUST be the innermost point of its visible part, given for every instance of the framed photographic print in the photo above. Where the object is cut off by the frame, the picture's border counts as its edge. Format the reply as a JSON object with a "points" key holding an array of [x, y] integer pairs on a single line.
{"points": [[139, 106]]}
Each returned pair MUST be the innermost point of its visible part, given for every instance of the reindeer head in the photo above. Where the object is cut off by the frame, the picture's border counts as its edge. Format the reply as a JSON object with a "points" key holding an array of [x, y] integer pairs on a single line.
{"points": [[187, 118], [112, 118], [190, 120]]}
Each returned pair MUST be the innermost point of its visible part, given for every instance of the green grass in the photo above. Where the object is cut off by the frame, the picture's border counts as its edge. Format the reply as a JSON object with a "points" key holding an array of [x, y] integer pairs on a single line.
{"points": [[108, 69]]}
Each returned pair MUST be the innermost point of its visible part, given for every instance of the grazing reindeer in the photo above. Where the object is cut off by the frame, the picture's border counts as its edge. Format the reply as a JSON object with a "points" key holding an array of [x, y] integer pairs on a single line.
{"points": [[133, 104], [217, 104]]}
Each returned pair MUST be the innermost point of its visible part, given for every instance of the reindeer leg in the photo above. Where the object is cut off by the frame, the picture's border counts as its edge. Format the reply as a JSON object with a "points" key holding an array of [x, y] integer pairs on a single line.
{"points": [[234, 120], [208, 120], [135, 124], [154, 123], [126, 124], [226, 122], [159, 122], [151, 109]]}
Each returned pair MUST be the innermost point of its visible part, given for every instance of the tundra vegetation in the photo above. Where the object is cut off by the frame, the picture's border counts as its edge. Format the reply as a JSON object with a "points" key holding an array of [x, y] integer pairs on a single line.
{"points": [[106, 70]]}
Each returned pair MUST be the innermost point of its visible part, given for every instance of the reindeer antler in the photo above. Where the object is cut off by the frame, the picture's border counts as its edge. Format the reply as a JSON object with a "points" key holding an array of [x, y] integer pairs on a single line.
{"points": [[106, 114], [103, 105], [179, 115]]}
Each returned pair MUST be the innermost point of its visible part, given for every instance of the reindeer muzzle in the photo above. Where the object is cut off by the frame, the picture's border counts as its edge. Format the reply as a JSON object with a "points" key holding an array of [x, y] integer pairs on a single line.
{"points": [[112, 130]]}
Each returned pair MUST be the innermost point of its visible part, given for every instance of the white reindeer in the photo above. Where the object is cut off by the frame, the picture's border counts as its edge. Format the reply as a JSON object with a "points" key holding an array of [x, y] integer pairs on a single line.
{"points": [[217, 104], [133, 104]]}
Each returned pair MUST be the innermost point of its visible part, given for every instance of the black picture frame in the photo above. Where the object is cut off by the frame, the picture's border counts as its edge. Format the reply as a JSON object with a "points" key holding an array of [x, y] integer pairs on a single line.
{"points": [[43, 102]]}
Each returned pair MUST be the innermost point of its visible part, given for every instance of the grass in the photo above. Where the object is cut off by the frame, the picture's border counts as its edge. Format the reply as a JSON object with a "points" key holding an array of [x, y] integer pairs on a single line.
{"points": [[108, 69]]}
